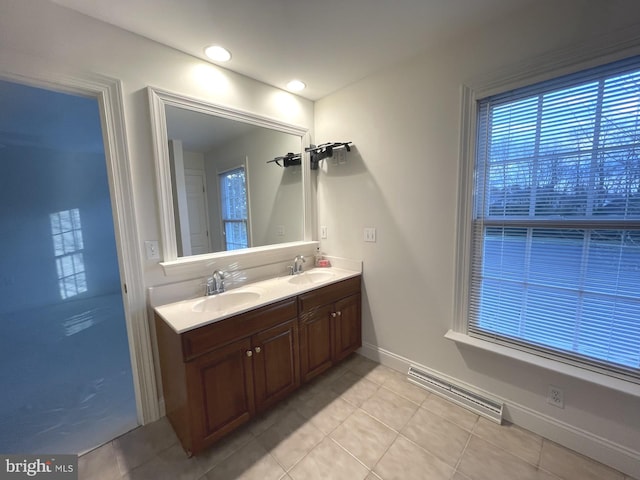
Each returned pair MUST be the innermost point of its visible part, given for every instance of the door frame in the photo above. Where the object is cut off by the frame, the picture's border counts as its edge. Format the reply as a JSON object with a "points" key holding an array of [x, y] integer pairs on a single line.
{"points": [[203, 175], [108, 92]]}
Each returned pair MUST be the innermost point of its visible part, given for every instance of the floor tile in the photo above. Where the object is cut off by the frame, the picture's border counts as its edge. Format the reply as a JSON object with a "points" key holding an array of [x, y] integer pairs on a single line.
{"points": [[319, 432], [364, 437], [572, 466], [372, 371], [142, 444], [224, 448], [405, 460], [352, 360], [251, 462], [99, 464], [290, 439], [452, 412], [320, 384], [390, 408], [265, 420], [328, 461], [326, 411], [483, 461], [398, 383], [511, 438], [354, 389], [334, 372], [460, 476], [170, 464], [435, 434]]}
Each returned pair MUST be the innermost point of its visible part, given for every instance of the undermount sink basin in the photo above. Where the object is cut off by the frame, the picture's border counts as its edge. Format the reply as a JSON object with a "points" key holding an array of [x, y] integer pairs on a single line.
{"points": [[225, 301], [311, 277]]}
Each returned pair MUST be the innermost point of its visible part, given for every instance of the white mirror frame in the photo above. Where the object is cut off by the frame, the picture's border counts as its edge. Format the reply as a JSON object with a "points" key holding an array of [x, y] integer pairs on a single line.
{"points": [[172, 264]]}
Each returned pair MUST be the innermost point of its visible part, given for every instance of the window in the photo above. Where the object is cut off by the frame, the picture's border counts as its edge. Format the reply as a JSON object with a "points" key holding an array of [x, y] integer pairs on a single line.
{"points": [[66, 232], [233, 201], [555, 228]]}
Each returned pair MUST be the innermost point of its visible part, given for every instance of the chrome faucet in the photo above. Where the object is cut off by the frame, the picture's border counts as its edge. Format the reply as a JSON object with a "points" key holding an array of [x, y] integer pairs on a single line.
{"points": [[296, 268], [215, 283]]}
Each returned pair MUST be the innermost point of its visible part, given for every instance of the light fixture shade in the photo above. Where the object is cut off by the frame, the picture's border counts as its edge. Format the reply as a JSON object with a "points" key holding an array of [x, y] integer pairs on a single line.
{"points": [[296, 86], [217, 53]]}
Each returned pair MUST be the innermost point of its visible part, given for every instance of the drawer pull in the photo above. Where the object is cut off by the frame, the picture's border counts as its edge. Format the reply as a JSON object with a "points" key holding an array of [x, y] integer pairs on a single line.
{"points": [[249, 353], [258, 349]]}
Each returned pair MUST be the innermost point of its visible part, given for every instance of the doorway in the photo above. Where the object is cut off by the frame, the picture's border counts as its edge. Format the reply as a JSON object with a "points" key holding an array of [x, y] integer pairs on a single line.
{"points": [[64, 352]]}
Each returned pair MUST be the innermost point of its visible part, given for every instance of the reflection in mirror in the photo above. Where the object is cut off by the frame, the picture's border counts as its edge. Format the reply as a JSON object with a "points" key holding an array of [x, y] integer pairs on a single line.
{"points": [[218, 192]]}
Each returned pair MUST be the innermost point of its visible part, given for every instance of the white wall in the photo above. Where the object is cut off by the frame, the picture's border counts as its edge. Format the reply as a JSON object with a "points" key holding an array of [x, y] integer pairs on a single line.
{"points": [[403, 179]]}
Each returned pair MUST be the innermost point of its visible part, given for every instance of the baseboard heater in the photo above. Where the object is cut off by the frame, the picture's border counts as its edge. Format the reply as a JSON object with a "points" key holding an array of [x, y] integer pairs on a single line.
{"points": [[472, 401]]}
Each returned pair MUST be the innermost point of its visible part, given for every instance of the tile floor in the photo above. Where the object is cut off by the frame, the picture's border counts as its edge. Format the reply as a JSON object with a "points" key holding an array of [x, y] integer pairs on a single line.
{"points": [[360, 421]]}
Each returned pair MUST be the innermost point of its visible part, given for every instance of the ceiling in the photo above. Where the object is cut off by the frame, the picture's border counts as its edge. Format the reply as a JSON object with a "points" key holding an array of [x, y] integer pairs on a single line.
{"points": [[327, 44]]}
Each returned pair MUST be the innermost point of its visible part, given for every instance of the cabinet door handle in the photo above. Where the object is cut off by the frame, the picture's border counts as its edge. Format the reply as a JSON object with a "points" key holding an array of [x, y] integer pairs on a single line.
{"points": [[333, 315], [258, 349], [249, 353], [339, 313]]}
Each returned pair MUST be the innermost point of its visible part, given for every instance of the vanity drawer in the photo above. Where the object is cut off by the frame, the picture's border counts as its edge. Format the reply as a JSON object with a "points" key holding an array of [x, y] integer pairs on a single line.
{"points": [[329, 294], [206, 338]]}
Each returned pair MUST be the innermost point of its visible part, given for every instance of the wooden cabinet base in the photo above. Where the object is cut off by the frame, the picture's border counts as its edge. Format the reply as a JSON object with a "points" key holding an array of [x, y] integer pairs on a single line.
{"points": [[217, 377]]}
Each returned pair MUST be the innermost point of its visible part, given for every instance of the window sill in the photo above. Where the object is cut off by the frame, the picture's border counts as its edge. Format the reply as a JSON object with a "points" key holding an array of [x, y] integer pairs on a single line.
{"points": [[603, 380]]}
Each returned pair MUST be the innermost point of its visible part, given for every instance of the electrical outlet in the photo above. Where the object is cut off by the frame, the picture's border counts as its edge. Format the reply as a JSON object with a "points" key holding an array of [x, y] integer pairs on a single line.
{"points": [[280, 230], [555, 396]]}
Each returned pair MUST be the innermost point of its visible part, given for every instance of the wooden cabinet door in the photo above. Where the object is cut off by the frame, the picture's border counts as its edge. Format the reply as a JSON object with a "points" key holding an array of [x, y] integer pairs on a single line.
{"points": [[275, 363], [220, 385], [316, 342], [347, 327]]}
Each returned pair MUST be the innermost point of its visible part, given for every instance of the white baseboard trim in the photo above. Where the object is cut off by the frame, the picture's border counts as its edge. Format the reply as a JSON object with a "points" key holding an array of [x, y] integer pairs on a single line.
{"points": [[605, 451]]}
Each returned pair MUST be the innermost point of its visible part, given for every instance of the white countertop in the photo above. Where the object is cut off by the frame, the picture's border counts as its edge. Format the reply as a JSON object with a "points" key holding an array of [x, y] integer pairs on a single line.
{"points": [[189, 314]]}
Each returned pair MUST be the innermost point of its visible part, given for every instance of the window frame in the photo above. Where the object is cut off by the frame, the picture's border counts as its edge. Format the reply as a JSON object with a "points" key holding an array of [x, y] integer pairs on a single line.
{"points": [[542, 69]]}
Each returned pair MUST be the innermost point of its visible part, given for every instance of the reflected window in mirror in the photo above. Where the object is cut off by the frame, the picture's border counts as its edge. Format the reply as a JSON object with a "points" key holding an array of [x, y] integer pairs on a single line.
{"points": [[233, 200]]}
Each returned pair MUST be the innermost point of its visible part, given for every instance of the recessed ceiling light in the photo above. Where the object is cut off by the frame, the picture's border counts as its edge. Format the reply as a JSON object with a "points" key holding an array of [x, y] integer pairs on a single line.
{"points": [[296, 86], [217, 53]]}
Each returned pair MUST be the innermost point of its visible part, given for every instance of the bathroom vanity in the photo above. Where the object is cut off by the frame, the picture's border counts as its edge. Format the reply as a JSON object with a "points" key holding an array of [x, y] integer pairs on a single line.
{"points": [[228, 357]]}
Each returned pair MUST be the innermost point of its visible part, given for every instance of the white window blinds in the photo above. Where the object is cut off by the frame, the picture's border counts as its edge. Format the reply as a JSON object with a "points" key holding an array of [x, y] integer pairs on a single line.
{"points": [[556, 223]]}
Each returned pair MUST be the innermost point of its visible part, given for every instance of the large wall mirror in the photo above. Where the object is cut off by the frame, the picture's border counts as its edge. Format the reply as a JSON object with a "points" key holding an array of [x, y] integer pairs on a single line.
{"points": [[218, 192]]}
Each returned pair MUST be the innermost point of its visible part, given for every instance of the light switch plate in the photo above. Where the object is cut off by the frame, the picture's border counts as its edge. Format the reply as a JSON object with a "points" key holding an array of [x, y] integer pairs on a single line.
{"points": [[153, 251], [323, 231], [370, 234]]}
